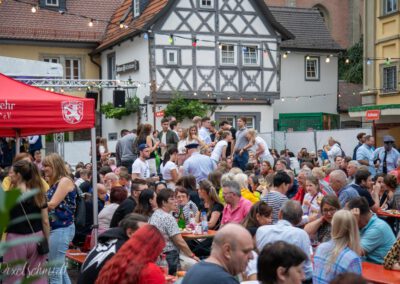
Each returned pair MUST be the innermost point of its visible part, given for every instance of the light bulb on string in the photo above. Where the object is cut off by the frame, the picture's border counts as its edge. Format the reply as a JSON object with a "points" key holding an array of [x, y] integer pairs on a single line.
{"points": [[171, 39], [220, 45], [194, 42], [33, 9], [285, 55], [282, 99], [327, 59], [347, 61], [308, 57], [388, 61], [369, 61], [145, 36], [90, 24]]}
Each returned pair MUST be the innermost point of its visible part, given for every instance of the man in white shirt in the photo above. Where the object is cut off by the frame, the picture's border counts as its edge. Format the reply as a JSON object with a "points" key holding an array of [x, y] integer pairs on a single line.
{"points": [[140, 168], [204, 132]]}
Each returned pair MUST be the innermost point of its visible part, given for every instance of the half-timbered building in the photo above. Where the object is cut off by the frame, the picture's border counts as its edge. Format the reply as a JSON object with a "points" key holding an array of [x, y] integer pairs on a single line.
{"points": [[223, 52]]}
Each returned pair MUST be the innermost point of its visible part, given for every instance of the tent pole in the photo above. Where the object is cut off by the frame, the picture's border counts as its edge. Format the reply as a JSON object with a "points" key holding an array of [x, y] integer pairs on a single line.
{"points": [[17, 141], [94, 185]]}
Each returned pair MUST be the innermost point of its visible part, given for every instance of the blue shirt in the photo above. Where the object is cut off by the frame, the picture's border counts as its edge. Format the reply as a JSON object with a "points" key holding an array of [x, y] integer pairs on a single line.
{"points": [[199, 166], [391, 159], [365, 152], [377, 239], [204, 135], [346, 194], [346, 261], [284, 231]]}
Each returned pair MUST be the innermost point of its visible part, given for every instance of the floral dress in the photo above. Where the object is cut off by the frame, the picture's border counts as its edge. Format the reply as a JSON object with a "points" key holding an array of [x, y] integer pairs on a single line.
{"points": [[63, 215]]}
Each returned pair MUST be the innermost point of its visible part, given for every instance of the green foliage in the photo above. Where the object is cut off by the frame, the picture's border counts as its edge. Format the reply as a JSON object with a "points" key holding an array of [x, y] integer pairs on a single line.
{"points": [[132, 105], [183, 108], [352, 72]]}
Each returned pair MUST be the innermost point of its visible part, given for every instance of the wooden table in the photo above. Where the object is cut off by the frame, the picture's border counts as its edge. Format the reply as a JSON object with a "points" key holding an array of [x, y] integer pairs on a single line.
{"points": [[191, 236], [377, 274], [396, 217], [76, 255]]}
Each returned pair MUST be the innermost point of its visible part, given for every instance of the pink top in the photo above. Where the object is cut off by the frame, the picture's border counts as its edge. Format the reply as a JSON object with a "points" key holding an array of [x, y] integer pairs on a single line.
{"points": [[238, 214]]}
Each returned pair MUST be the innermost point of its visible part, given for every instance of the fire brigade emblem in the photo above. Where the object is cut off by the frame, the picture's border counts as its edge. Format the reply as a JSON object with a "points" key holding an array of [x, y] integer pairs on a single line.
{"points": [[72, 111]]}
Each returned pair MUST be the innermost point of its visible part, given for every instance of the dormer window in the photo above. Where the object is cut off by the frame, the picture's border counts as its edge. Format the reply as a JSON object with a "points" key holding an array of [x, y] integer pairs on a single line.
{"points": [[136, 8], [52, 3]]}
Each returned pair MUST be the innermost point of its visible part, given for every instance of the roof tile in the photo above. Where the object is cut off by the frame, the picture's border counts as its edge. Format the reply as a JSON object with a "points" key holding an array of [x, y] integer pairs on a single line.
{"points": [[17, 21]]}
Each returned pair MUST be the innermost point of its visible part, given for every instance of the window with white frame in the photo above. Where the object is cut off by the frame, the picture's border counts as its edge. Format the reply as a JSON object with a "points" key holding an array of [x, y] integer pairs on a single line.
{"points": [[312, 68], [389, 6], [250, 55], [172, 57], [72, 69], [206, 3], [227, 54], [51, 59], [136, 8], [389, 79], [52, 3]]}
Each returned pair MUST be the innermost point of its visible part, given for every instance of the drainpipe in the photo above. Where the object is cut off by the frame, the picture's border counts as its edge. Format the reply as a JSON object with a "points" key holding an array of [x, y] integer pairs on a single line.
{"points": [[100, 99]]}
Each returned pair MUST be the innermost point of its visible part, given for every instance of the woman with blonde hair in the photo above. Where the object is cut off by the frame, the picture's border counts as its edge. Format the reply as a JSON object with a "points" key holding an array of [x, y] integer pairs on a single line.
{"points": [[259, 147], [193, 136], [243, 180], [61, 205], [342, 253], [319, 173]]}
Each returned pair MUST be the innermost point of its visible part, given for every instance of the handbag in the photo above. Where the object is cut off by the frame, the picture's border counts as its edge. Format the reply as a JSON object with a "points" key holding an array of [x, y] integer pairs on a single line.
{"points": [[42, 246]]}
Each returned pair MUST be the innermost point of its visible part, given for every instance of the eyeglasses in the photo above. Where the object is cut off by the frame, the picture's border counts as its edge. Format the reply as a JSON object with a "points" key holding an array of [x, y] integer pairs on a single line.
{"points": [[332, 210]]}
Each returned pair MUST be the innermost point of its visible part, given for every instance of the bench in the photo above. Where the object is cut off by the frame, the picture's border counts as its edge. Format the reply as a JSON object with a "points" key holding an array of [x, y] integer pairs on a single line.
{"points": [[76, 256]]}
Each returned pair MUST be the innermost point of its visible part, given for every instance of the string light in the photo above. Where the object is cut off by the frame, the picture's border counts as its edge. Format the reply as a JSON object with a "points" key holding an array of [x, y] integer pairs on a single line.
{"points": [[308, 57], [327, 59], [34, 9], [145, 36], [171, 39], [194, 42]]}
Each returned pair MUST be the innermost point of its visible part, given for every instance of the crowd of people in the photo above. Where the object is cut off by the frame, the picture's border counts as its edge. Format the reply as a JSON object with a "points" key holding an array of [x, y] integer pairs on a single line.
{"points": [[280, 218]]}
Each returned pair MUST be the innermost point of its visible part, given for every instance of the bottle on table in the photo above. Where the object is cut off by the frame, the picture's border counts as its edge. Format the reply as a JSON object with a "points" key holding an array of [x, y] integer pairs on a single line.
{"points": [[181, 219], [192, 220], [204, 222], [163, 264]]}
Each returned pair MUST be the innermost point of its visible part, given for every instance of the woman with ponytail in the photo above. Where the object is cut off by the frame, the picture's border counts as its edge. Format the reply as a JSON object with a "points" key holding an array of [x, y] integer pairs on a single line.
{"points": [[134, 263]]}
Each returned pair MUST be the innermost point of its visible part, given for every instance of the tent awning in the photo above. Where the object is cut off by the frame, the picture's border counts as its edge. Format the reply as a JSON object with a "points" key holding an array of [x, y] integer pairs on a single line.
{"points": [[31, 110]]}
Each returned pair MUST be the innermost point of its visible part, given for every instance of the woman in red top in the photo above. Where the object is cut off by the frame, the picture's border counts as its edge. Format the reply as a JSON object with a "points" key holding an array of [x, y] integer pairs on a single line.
{"points": [[134, 262]]}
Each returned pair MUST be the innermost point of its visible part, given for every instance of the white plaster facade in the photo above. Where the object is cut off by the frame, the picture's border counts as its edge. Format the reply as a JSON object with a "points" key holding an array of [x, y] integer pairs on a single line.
{"points": [[293, 84]]}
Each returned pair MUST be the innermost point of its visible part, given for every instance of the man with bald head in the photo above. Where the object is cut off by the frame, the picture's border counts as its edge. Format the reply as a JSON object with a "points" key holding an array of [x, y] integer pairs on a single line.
{"points": [[231, 250], [338, 182]]}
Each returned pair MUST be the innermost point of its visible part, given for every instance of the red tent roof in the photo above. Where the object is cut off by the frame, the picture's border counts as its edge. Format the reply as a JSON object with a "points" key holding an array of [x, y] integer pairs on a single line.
{"points": [[32, 110]]}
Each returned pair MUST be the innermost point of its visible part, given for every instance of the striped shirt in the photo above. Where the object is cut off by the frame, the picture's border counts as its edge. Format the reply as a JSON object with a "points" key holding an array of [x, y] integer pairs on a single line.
{"points": [[275, 200], [347, 261]]}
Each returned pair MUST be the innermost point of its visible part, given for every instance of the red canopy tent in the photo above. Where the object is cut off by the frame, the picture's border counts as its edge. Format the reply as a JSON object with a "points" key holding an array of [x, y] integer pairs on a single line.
{"points": [[27, 110], [31, 110]]}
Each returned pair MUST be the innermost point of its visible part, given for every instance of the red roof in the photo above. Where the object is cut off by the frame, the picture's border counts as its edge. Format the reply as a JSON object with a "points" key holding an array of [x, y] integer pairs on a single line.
{"points": [[18, 22], [114, 33]]}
